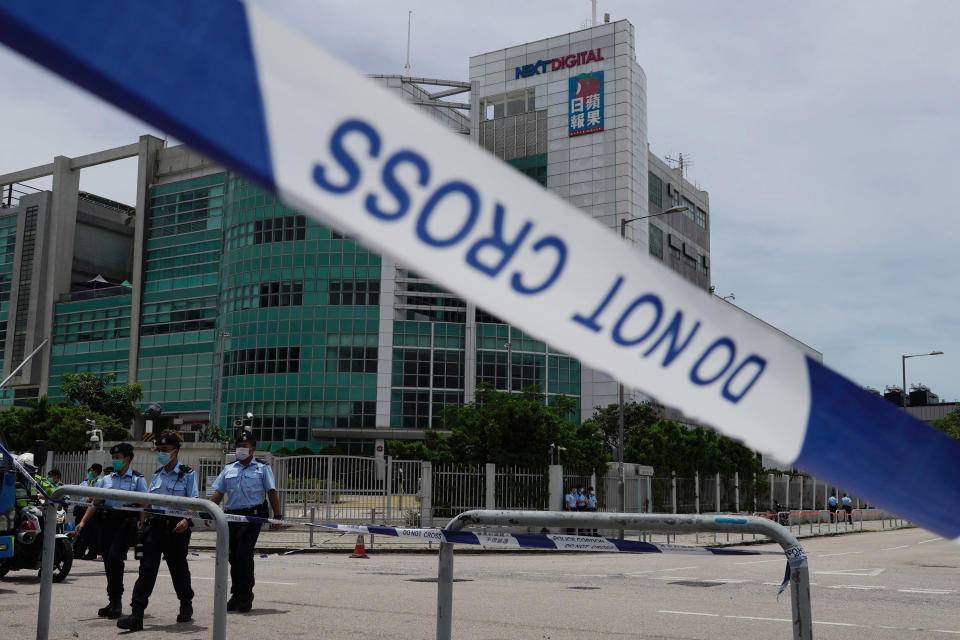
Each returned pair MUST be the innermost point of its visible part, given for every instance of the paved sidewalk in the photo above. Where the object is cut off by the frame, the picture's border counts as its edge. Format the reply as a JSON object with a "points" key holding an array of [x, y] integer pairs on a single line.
{"points": [[298, 538]]}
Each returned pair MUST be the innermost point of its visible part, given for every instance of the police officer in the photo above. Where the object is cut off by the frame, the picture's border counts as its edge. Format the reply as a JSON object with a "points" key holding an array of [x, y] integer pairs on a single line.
{"points": [[84, 546], [246, 483], [165, 535], [117, 528]]}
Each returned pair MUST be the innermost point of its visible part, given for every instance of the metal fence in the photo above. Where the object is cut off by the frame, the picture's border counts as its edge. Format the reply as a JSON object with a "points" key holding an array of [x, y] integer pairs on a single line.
{"points": [[352, 489]]}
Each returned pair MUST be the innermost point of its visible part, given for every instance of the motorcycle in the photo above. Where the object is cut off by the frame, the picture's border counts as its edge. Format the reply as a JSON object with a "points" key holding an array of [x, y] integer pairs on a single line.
{"points": [[28, 546]]}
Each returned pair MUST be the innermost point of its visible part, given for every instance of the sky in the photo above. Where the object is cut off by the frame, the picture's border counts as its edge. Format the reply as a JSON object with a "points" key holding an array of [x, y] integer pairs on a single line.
{"points": [[826, 134]]}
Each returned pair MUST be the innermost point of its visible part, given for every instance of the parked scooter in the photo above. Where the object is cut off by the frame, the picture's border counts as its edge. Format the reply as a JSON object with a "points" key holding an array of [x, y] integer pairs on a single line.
{"points": [[28, 536]]}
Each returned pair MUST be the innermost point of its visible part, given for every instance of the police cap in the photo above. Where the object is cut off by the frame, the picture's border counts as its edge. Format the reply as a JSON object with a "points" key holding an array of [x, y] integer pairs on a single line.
{"points": [[245, 436], [168, 438], [124, 448]]}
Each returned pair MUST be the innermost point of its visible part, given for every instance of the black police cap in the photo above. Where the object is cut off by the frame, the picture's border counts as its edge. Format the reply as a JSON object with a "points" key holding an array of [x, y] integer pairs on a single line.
{"points": [[168, 438], [245, 436], [124, 448]]}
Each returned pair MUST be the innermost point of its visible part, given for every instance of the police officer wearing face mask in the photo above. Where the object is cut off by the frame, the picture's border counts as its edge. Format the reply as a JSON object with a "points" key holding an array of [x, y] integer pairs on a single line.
{"points": [[166, 536], [247, 483], [117, 528]]}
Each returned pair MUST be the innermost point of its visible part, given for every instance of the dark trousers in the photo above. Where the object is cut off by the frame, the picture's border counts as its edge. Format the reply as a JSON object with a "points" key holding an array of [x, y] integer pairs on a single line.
{"points": [[81, 543], [162, 541], [243, 538], [833, 512], [849, 510], [115, 534]]}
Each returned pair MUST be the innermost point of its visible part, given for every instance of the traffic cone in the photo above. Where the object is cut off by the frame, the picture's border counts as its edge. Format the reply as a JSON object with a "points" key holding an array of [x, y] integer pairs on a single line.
{"points": [[359, 551]]}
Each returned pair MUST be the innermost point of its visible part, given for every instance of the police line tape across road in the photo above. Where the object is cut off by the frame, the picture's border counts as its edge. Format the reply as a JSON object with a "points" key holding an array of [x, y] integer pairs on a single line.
{"points": [[271, 105], [555, 542]]}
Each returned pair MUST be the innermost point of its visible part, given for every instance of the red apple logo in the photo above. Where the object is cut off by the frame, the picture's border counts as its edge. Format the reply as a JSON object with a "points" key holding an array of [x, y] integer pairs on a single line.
{"points": [[587, 86]]}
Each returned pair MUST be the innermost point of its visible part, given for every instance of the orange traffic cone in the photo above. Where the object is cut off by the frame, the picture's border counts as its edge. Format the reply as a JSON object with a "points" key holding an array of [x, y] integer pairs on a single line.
{"points": [[359, 551]]}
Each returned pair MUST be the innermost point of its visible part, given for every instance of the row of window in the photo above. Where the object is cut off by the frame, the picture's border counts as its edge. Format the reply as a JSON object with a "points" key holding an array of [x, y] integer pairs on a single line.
{"points": [[359, 292], [243, 362], [352, 359]]}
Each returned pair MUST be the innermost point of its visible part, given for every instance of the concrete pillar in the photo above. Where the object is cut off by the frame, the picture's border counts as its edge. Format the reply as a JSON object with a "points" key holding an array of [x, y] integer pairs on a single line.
{"points": [[146, 174], [555, 483], [491, 486], [426, 494]]}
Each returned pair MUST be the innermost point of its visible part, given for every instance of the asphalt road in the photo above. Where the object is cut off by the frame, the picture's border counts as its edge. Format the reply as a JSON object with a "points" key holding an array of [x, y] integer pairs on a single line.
{"points": [[897, 584]]}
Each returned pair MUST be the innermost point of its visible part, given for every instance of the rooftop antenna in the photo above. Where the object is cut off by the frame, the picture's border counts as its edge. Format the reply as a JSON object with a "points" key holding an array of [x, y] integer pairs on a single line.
{"points": [[406, 67], [594, 16]]}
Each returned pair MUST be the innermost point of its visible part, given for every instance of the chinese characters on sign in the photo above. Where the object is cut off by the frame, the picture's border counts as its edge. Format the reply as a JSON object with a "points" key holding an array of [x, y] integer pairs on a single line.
{"points": [[586, 103]]}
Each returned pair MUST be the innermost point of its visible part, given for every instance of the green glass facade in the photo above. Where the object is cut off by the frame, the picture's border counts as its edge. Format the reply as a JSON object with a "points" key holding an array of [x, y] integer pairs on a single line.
{"points": [[91, 335], [301, 307], [8, 247], [184, 239]]}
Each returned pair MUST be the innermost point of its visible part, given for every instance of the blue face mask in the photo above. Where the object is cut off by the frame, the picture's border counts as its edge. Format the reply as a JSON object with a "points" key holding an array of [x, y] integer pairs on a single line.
{"points": [[90, 475], [163, 457], [117, 465]]}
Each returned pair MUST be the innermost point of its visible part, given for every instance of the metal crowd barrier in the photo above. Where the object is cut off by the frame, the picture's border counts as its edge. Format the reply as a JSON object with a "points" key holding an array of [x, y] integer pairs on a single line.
{"points": [[193, 504], [663, 523]]}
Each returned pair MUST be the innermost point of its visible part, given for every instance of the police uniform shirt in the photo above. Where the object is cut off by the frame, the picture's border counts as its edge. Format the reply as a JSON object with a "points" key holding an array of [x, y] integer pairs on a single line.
{"points": [[127, 482], [832, 501], [172, 483], [592, 502], [245, 487], [847, 501], [571, 500]]}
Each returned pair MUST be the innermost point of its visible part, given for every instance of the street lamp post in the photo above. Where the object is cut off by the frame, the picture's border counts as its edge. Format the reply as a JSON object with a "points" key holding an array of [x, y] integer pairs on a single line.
{"points": [[621, 480], [903, 362]]}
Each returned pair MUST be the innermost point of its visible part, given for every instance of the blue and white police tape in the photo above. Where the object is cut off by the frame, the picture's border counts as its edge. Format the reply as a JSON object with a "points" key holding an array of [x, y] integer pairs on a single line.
{"points": [[267, 103]]}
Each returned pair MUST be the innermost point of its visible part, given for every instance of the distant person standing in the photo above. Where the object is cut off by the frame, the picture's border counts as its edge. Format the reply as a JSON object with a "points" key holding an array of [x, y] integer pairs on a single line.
{"points": [[591, 505], [570, 504], [832, 507], [247, 484], [848, 507]]}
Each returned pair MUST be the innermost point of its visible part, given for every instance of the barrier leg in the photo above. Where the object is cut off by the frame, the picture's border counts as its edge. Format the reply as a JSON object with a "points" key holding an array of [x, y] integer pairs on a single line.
{"points": [[800, 602], [46, 570], [445, 592]]}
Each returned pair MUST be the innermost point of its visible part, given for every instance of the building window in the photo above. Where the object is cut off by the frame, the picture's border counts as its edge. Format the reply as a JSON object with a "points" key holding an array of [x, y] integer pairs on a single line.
{"points": [[410, 409], [281, 294], [24, 286], [656, 242], [447, 369], [534, 167], [352, 359], [359, 292], [285, 229], [654, 189], [690, 209], [411, 368], [701, 218], [702, 263], [244, 362]]}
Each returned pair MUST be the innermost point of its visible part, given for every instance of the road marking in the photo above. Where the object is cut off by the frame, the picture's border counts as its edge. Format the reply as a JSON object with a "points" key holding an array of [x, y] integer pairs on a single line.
{"points": [[930, 540], [862, 587], [289, 584], [903, 546], [760, 561], [691, 613], [640, 573], [869, 573], [929, 591], [845, 553], [727, 580], [824, 622]]}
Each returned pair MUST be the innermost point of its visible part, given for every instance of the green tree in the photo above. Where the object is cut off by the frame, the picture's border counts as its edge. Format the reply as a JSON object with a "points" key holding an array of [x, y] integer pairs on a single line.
{"points": [[950, 423], [637, 416], [668, 446], [99, 394], [63, 426], [510, 429]]}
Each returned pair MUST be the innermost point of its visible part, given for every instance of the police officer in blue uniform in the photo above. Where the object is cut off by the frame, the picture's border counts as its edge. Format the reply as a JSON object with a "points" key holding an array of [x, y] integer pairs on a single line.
{"points": [[247, 483], [84, 547], [167, 536], [117, 528]]}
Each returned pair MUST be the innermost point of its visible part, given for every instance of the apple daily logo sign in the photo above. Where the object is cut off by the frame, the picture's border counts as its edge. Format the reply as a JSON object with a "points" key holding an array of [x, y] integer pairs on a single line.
{"points": [[586, 104], [566, 62]]}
